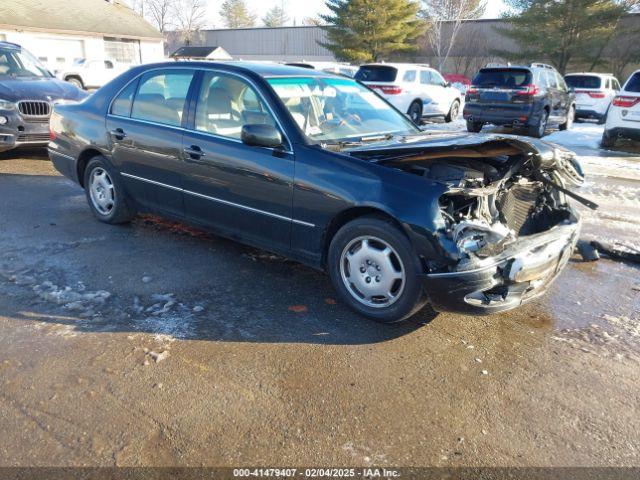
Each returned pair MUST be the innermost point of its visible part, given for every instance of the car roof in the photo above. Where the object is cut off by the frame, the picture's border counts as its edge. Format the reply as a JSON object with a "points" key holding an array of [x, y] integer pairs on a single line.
{"points": [[593, 74], [259, 68], [398, 65], [14, 46]]}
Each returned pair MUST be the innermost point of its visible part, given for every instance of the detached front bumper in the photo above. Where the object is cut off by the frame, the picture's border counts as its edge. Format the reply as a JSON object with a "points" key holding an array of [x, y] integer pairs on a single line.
{"points": [[522, 272]]}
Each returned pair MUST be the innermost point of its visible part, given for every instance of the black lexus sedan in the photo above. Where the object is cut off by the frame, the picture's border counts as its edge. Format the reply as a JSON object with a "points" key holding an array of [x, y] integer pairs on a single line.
{"points": [[27, 92], [322, 170]]}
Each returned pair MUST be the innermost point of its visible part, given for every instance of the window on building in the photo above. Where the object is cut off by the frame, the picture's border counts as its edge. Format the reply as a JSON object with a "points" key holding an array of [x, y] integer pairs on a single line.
{"points": [[122, 50]]}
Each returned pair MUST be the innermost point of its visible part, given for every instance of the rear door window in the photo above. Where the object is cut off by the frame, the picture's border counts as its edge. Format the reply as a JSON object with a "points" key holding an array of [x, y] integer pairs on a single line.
{"points": [[161, 97], [121, 106], [583, 81], [410, 76], [377, 73], [502, 78], [425, 77], [633, 84]]}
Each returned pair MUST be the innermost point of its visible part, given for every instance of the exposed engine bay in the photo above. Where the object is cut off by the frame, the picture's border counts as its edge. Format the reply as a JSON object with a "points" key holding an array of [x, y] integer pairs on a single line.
{"points": [[500, 190]]}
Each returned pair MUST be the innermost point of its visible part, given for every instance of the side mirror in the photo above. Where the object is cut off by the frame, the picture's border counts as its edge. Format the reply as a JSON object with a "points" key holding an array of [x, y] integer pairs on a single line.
{"points": [[260, 135], [447, 84]]}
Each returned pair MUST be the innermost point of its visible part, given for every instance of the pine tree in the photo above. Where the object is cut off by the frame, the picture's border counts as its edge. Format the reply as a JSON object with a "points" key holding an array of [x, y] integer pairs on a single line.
{"points": [[371, 30], [276, 17], [236, 14], [562, 32]]}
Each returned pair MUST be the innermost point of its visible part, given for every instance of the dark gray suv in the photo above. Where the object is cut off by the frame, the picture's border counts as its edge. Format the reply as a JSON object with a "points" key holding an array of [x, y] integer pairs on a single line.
{"points": [[529, 98], [27, 93]]}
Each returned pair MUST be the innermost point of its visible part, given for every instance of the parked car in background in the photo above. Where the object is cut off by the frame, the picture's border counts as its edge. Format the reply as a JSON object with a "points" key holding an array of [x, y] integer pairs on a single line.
{"points": [[623, 119], [529, 97], [417, 90], [322, 170], [458, 81], [94, 73], [28, 92], [594, 93], [329, 67]]}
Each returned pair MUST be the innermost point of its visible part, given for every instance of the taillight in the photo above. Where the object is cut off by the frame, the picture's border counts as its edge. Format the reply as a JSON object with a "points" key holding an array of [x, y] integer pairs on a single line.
{"points": [[625, 102], [529, 90], [592, 94], [388, 89], [472, 90], [52, 134]]}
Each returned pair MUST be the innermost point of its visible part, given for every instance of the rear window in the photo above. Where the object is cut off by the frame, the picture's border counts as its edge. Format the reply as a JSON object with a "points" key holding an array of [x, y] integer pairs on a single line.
{"points": [[583, 81], [502, 78], [633, 85], [377, 74]]}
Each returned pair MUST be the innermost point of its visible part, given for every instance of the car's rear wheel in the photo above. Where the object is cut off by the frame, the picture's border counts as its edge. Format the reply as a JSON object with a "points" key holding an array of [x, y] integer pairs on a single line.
{"points": [[474, 127], [538, 130], [105, 193], [608, 140], [76, 81], [571, 116], [454, 111], [415, 112], [375, 271]]}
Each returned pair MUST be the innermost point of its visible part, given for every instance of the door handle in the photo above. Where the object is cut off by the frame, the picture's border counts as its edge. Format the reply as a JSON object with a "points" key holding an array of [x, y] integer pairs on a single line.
{"points": [[118, 133], [194, 152]]}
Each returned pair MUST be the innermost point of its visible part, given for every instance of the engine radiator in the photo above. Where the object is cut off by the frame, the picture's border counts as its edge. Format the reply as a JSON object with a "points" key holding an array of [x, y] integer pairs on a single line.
{"points": [[516, 206]]}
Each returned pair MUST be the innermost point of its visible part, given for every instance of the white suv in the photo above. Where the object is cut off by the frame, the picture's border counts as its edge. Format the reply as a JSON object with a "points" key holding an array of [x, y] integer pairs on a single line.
{"points": [[417, 90], [623, 119], [594, 93]]}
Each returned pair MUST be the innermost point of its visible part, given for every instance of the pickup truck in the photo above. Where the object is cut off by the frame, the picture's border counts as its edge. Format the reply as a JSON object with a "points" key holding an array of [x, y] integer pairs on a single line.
{"points": [[87, 74]]}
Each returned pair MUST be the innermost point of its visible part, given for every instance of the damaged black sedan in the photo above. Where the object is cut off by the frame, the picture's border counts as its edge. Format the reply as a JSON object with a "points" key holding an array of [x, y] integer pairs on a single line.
{"points": [[321, 169]]}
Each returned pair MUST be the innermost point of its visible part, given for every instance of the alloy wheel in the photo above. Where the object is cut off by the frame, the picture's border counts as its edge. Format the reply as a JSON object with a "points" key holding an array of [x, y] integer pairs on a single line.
{"points": [[102, 191], [372, 271]]}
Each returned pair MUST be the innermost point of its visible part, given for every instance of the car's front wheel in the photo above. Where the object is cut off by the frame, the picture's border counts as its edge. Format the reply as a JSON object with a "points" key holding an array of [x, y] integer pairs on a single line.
{"points": [[375, 271], [105, 193], [571, 115]]}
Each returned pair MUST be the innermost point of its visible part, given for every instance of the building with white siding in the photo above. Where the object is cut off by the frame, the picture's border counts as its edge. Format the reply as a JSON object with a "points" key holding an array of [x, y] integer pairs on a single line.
{"points": [[59, 32]]}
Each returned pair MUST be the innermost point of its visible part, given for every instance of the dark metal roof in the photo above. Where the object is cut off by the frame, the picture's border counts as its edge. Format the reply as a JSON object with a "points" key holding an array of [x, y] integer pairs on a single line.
{"points": [[194, 52]]}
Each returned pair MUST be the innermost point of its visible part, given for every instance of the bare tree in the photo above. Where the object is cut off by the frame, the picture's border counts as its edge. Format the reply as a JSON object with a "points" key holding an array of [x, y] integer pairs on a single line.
{"points": [[161, 13], [445, 19], [190, 17]]}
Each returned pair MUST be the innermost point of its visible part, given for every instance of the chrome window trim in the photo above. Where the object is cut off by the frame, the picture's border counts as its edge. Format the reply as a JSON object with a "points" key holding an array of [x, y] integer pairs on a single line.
{"points": [[289, 148], [219, 200]]}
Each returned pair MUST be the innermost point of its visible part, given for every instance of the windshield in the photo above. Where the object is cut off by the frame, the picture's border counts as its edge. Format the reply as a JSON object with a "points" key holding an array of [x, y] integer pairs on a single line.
{"points": [[330, 109], [583, 81], [20, 63], [502, 78]]}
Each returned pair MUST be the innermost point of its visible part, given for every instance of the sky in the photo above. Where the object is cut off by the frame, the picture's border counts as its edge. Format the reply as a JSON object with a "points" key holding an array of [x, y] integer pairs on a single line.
{"points": [[299, 9]]}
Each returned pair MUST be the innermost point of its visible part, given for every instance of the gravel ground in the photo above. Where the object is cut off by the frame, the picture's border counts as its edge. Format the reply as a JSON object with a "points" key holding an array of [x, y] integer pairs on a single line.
{"points": [[158, 344]]}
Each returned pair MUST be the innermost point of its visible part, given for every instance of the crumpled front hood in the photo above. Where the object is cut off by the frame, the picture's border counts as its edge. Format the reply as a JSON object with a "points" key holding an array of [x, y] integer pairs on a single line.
{"points": [[48, 89], [420, 148]]}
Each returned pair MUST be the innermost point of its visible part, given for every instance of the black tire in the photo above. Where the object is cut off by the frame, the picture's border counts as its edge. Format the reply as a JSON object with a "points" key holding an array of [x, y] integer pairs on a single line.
{"points": [[571, 116], [410, 298], [415, 112], [539, 129], [608, 140], [474, 127], [76, 81], [454, 112], [121, 210]]}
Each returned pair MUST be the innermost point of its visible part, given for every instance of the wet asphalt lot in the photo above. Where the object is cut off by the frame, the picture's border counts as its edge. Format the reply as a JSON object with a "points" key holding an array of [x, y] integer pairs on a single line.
{"points": [[156, 344]]}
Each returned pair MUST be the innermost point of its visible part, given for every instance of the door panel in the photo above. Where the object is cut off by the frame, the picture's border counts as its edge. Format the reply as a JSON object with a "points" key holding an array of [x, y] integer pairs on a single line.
{"points": [[244, 191], [147, 142]]}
